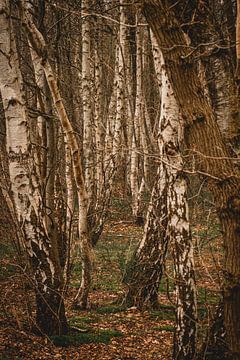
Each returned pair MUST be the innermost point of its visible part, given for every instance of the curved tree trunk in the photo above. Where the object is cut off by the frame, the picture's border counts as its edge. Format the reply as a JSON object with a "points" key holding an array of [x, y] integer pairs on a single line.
{"points": [[39, 46]]}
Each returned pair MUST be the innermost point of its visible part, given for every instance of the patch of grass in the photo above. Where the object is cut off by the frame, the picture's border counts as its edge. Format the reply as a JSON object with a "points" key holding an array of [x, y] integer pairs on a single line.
{"points": [[208, 234], [166, 284], [111, 309], [6, 250], [74, 285], [90, 320], [111, 258], [120, 206], [81, 320], [77, 268], [7, 270], [206, 296], [113, 249], [164, 328], [162, 315], [202, 312], [112, 333], [107, 283], [95, 336]]}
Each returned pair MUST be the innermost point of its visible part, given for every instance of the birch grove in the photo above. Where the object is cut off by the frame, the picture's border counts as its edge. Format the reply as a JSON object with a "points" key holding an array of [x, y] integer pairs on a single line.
{"points": [[112, 114]]}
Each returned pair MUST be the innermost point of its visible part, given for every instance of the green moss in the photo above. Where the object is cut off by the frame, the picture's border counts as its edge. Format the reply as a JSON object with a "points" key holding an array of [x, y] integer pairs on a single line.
{"points": [[6, 250], [95, 336], [7, 270], [206, 296], [162, 315], [81, 320], [111, 309], [107, 283], [77, 268], [202, 312], [166, 284]]}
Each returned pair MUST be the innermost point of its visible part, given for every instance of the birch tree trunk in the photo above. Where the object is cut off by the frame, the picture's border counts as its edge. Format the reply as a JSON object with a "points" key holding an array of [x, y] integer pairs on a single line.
{"points": [[145, 269], [86, 100], [137, 121], [208, 149], [102, 176], [178, 227], [46, 126], [167, 217], [39, 46], [44, 257]]}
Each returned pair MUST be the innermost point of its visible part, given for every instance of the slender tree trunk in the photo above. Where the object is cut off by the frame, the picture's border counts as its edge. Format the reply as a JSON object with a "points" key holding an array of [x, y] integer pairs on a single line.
{"points": [[44, 257], [39, 46], [134, 154], [70, 246], [86, 100], [211, 156]]}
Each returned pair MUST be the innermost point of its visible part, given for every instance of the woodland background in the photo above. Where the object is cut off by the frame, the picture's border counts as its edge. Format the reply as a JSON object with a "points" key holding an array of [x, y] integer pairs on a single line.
{"points": [[119, 179]]}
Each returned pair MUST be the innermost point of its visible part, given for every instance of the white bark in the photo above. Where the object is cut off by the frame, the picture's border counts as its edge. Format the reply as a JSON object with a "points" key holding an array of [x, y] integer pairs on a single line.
{"points": [[137, 134], [167, 219], [86, 99], [98, 125], [25, 186], [117, 135], [171, 142]]}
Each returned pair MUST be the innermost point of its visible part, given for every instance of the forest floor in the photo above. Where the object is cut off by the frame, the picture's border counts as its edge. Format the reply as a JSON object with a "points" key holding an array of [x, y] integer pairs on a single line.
{"points": [[109, 330]]}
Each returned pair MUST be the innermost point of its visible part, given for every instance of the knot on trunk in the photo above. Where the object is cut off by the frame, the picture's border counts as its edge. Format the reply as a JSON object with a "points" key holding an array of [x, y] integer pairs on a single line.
{"points": [[234, 204]]}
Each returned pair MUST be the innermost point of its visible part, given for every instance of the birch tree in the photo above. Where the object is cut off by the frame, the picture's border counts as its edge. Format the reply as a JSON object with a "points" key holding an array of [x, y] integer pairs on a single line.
{"points": [[25, 187], [38, 43], [167, 220], [136, 133], [86, 97]]}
